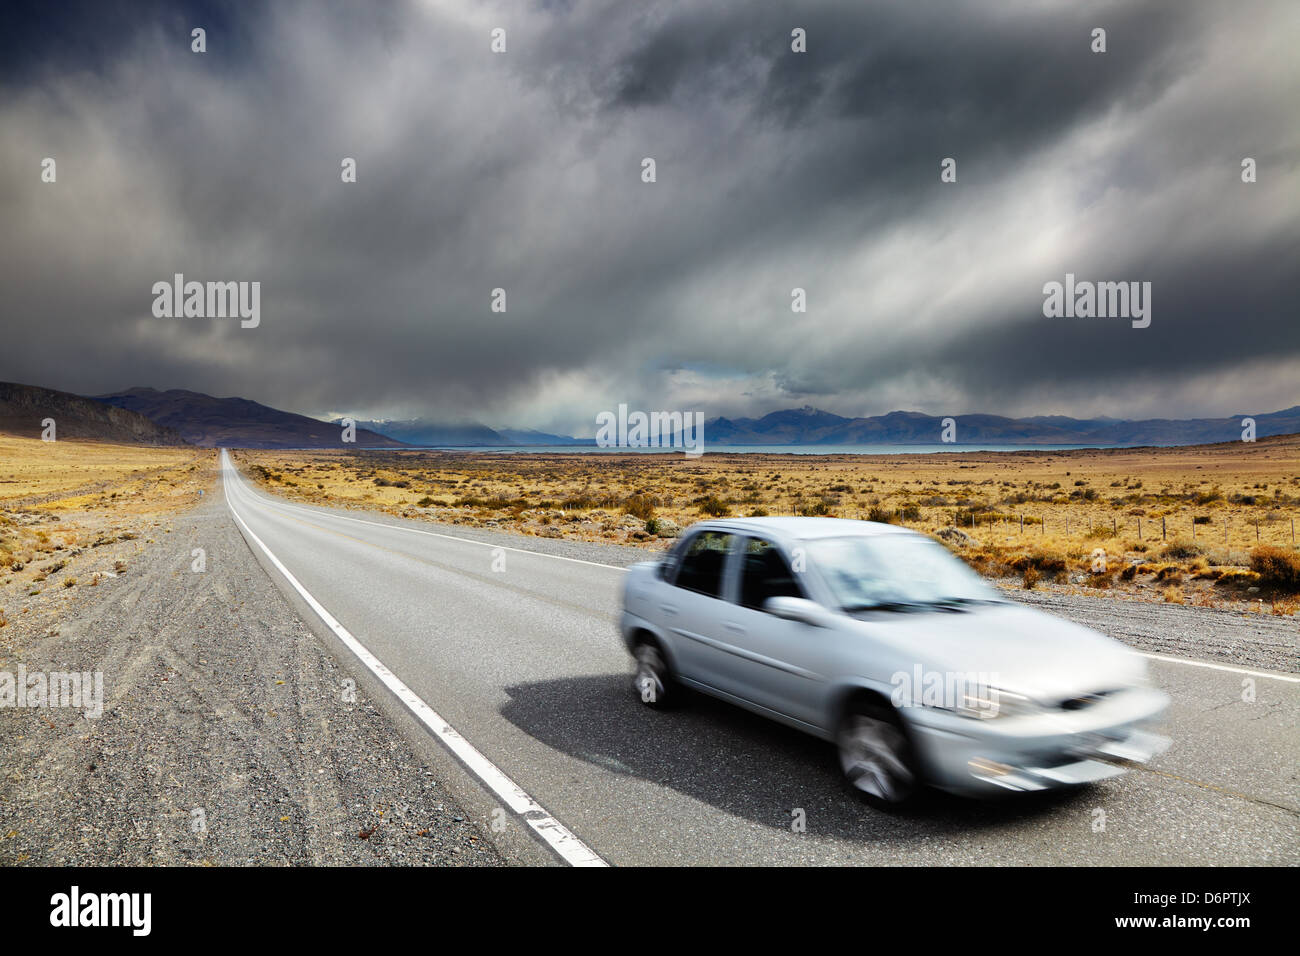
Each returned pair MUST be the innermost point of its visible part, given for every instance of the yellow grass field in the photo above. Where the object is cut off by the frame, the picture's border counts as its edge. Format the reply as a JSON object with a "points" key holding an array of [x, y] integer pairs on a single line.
{"points": [[59, 499], [1189, 524]]}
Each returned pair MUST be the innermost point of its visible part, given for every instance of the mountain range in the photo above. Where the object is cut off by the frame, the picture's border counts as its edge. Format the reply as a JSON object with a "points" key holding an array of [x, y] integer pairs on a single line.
{"points": [[178, 416], [423, 431], [811, 426], [25, 408], [235, 422]]}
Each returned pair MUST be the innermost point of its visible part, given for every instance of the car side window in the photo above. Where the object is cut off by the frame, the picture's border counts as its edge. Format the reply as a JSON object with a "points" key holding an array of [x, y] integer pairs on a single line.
{"points": [[701, 565], [764, 574]]}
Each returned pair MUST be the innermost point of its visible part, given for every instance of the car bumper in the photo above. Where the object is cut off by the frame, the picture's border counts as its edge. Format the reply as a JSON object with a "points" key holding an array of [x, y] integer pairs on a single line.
{"points": [[1039, 751]]}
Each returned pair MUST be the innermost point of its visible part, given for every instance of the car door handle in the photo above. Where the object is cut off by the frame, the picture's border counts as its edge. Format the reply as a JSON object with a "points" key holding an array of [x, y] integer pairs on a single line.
{"points": [[668, 608], [733, 627]]}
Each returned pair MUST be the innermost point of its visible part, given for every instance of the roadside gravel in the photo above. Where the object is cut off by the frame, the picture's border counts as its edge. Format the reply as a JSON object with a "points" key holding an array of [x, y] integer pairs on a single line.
{"points": [[229, 735]]}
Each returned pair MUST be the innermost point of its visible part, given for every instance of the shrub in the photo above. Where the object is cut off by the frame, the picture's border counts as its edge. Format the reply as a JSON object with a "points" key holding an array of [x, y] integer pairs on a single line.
{"points": [[1031, 577], [1045, 562], [1178, 550], [639, 506], [1277, 567], [714, 507]]}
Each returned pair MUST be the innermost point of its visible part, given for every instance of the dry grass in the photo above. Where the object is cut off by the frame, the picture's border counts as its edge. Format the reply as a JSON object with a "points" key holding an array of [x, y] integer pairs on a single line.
{"points": [[64, 499]]}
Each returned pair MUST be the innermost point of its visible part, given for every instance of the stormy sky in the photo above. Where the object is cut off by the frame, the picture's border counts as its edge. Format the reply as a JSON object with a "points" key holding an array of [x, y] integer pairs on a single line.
{"points": [[522, 170]]}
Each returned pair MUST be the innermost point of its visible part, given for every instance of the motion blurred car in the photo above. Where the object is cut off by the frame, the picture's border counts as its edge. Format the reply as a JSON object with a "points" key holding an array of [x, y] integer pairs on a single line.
{"points": [[875, 638]]}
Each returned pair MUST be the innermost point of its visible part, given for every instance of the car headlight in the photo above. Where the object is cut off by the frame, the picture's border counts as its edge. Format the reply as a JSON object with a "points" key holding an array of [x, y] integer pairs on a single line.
{"points": [[988, 703]]}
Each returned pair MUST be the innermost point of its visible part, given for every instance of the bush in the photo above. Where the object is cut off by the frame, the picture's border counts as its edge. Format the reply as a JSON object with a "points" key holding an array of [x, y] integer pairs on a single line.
{"points": [[714, 507], [639, 506], [1031, 577], [1179, 550], [1277, 567], [1045, 562]]}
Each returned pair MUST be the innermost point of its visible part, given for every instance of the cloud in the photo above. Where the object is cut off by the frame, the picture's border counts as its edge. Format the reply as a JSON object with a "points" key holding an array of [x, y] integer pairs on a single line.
{"points": [[775, 170]]}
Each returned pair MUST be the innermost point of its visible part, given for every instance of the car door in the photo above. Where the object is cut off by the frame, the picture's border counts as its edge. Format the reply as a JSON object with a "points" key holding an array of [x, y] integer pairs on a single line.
{"points": [[784, 663], [692, 607]]}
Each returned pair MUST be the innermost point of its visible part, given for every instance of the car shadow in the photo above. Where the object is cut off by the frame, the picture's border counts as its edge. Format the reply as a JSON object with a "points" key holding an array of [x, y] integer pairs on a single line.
{"points": [[743, 764]]}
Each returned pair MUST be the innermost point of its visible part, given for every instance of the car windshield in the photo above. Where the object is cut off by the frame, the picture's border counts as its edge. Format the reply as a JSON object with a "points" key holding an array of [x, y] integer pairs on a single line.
{"points": [[895, 572]]}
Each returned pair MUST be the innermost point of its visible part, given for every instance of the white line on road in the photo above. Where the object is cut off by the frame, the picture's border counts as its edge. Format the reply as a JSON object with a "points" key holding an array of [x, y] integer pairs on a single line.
{"points": [[1223, 667], [613, 567], [569, 848]]}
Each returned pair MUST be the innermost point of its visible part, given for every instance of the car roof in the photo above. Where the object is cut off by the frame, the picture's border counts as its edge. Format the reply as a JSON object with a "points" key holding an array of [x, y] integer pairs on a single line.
{"points": [[804, 528]]}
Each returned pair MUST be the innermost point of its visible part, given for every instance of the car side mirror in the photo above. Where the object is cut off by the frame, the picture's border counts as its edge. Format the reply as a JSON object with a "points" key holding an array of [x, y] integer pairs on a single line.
{"points": [[797, 609]]}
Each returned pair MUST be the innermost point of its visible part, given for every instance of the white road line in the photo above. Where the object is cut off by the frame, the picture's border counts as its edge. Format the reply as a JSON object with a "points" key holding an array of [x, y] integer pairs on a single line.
{"points": [[1223, 667], [613, 567], [569, 848]]}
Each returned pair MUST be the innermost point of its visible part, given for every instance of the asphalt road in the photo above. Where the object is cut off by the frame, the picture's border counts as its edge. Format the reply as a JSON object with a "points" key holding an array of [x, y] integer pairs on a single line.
{"points": [[512, 641]]}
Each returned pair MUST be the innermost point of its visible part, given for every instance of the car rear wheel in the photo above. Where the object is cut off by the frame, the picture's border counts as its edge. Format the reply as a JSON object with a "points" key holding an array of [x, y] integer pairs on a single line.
{"points": [[653, 681], [875, 756]]}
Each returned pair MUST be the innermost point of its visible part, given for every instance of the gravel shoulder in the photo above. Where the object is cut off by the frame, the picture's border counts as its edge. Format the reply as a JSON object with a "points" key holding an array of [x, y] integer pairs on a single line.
{"points": [[229, 734]]}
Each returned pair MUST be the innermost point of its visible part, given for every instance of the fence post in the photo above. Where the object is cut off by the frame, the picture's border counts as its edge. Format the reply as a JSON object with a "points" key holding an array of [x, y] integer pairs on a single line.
{"points": [[1139, 529], [1022, 526], [1162, 529]]}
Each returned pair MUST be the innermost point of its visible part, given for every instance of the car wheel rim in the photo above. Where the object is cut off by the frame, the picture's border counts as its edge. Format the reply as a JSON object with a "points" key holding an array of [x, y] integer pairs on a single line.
{"points": [[649, 680], [871, 756]]}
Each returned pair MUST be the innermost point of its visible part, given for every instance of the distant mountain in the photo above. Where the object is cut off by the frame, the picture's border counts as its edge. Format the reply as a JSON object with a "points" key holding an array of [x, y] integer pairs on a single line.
{"points": [[24, 407], [811, 426], [421, 431], [528, 436], [236, 422]]}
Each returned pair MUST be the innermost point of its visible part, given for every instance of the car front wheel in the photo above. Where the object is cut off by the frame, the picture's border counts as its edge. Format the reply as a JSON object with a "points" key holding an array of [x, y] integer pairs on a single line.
{"points": [[652, 682], [875, 756]]}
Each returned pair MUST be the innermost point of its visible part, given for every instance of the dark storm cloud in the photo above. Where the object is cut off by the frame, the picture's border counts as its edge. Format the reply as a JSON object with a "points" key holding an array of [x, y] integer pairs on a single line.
{"points": [[775, 170]]}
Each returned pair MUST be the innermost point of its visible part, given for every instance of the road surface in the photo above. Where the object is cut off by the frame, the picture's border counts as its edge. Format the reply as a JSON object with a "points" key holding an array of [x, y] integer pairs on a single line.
{"points": [[514, 653]]}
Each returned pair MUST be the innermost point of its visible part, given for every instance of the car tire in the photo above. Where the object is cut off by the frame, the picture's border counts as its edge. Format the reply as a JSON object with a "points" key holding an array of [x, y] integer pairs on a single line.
{"points": [[653, 680], [876, 756]]}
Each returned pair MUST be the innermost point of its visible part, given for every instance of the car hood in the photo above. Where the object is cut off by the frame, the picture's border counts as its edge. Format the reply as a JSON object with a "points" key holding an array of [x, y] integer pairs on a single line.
{"points": [[1022, 650]]}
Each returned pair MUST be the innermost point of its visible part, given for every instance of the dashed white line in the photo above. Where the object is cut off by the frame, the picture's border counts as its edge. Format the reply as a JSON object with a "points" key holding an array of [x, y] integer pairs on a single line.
{"points": [[562, 840]]}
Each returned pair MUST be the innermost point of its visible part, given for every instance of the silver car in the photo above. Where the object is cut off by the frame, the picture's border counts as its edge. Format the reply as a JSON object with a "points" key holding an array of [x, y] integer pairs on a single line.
{"points": [[876, 638]]}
